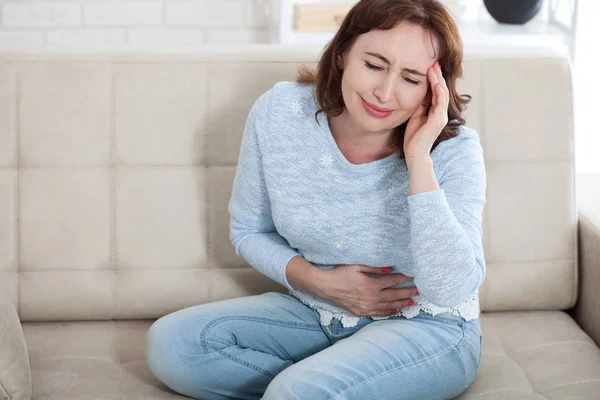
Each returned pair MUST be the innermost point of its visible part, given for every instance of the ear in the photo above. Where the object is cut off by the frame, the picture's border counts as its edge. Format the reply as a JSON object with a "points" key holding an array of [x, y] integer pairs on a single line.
{"points": [[340, 61]]}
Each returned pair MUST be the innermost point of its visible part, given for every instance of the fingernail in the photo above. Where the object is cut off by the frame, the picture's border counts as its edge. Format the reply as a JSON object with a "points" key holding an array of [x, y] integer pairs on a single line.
{"points": [[394, 312], [386, 269], [411, 303]]}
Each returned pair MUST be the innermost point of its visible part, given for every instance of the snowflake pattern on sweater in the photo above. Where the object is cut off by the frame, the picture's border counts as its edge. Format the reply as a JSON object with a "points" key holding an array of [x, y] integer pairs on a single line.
{"points": [[294, 193]]}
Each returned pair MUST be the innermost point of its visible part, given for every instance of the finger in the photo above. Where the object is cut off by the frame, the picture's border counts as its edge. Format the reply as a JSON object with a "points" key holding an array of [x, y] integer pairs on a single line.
{"points": [[385, 308], [447, 97], [440, 75], [442, 111], [446, 91], [381, 312], [442, 81], [435, 98], [394, 304], [373, 270], [441, 102], [393, 294], [385, 313], [433, 76], [383, 282]]}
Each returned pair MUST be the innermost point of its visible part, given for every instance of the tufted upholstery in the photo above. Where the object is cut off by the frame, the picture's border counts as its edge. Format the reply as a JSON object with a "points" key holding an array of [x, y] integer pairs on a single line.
{"points": [[116, 173]]}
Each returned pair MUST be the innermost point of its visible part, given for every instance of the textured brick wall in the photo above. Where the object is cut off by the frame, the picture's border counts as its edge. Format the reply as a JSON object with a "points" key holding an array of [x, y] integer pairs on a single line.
{"points": [[130, 23]]}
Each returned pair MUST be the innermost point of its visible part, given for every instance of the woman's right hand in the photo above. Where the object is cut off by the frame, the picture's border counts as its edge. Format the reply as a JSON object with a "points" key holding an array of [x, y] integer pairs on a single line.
{"points": [[350, 288]]}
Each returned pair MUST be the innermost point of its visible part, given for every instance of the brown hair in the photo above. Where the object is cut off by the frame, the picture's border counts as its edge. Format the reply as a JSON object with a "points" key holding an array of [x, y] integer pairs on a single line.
{"points": [[366, 15]]}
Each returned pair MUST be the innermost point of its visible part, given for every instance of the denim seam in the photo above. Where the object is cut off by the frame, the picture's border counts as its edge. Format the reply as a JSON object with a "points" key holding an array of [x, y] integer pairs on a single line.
{"points": [[213, 323], [447, 320], [210, 325], [453, 348], [478, 364], [246, 364]]}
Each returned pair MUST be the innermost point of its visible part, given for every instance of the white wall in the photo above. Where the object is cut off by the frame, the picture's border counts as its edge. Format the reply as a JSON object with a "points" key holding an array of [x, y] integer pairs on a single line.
{"points": [[134, 24], [587, 89], [130, 23]]}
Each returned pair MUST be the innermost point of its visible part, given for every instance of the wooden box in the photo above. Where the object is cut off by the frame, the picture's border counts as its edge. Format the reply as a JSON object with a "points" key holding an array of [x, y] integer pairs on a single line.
{"points": [[320, 17]]}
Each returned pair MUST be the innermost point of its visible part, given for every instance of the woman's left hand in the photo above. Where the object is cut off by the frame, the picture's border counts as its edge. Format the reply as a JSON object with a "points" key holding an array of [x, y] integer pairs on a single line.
{"points": [[423, 128]]}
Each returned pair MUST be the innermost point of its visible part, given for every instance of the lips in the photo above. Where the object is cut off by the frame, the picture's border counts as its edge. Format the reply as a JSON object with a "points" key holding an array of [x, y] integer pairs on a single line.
{"points": [[376, 111]]}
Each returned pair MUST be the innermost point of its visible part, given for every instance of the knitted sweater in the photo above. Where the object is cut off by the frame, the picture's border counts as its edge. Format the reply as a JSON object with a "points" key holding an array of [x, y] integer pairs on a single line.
{"points": [[295, 193]]}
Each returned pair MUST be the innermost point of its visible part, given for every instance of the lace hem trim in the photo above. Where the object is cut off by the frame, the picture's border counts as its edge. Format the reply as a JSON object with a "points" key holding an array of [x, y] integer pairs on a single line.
{"points": [[469, 310]]}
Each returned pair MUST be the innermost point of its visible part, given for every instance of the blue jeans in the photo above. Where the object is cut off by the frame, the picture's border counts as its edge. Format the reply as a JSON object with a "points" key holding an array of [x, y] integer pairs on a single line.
{"points": [[272, 346]]}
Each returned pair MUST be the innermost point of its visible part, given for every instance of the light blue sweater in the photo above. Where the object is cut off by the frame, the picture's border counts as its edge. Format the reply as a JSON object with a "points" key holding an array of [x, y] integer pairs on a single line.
{"points": [[295, 193]]}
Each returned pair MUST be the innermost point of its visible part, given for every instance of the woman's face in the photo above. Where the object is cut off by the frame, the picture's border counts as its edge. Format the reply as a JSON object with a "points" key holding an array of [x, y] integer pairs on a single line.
{"points": [[388, 70]]}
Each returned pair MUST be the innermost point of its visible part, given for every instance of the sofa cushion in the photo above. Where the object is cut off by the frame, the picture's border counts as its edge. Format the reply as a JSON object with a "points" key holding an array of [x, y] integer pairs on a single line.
{"points": [[15, 376], [526, 355], [535, 355]]}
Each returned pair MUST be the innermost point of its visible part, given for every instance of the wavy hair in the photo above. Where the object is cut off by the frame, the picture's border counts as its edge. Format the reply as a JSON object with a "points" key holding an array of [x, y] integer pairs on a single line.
{"points": [[366, 15]]}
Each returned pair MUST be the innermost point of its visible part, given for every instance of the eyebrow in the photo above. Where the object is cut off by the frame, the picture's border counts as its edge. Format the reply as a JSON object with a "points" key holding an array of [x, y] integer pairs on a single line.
{"points": [[382, 58]]}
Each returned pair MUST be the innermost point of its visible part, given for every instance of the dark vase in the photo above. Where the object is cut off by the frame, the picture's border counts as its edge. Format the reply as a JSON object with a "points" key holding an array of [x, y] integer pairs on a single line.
{"points": [[515, 12]]}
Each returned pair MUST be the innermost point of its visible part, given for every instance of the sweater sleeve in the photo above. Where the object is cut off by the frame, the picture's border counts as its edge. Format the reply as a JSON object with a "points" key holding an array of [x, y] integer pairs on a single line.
{"points": [[446, 227], [252, 231]]}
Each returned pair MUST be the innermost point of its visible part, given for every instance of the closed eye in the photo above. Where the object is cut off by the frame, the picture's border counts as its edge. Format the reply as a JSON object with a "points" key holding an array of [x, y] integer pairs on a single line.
{"points": [[378, 68], [373, 67]]}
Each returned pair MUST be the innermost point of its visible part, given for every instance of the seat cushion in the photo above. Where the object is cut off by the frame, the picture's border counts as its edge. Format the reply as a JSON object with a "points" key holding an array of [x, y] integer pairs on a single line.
{"points": [[100, 360], [526, 355], [535, 355]]}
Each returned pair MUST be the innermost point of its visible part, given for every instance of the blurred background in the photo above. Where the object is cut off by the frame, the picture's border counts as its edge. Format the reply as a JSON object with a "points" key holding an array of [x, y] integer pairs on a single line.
{"points": [[569, 26]]}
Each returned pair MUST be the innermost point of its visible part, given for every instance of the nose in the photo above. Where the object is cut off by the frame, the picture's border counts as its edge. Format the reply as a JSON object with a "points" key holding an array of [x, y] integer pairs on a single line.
{"points": [[385, 89]]}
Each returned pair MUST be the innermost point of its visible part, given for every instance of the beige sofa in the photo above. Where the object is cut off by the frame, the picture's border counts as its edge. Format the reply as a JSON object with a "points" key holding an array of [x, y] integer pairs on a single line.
{"points": [[116, 174]]}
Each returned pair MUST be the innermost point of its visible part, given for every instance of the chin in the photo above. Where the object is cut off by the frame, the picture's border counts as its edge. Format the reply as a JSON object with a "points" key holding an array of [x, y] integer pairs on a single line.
{"points": [[373, 124]]}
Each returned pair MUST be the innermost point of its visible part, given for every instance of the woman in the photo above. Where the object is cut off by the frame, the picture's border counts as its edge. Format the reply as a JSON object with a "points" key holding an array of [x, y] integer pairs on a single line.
{"points": [[364, 164]]}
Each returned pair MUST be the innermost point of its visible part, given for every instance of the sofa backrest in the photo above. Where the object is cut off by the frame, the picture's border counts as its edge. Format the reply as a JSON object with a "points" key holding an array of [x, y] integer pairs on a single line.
{"points": [[117, 170]]}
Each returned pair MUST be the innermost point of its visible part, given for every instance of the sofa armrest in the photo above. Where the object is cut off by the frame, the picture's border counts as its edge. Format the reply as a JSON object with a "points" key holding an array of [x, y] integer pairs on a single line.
{"points": [[587, 310], [15, 373]]}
